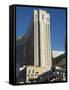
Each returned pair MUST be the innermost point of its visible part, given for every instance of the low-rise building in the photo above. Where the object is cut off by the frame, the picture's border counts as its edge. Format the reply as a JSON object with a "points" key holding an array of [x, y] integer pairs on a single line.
{"points": [[31, 72]]}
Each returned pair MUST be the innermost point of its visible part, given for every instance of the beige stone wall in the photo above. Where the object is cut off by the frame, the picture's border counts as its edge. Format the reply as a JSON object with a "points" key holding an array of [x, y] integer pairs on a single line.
{"points": [[33, 72], [45, 41], [36, 58]]}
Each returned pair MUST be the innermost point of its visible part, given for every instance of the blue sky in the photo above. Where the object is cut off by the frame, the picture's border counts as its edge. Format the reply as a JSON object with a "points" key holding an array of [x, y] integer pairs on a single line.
{"points": [[57, 24]]}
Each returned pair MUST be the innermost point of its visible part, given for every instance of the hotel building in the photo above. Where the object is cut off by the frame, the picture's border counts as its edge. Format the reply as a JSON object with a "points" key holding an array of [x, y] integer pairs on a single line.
{"points": [[42, 41]]}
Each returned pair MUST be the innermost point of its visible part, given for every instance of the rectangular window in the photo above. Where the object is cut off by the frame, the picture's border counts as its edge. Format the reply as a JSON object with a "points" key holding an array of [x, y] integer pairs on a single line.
{"points": [[42, 17], [33, 71], [29, 71], [35, 16]]}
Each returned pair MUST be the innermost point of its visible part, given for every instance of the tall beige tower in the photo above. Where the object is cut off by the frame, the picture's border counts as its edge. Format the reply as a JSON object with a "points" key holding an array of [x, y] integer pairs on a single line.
{"points": [[42, 41], [36, 48]]}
